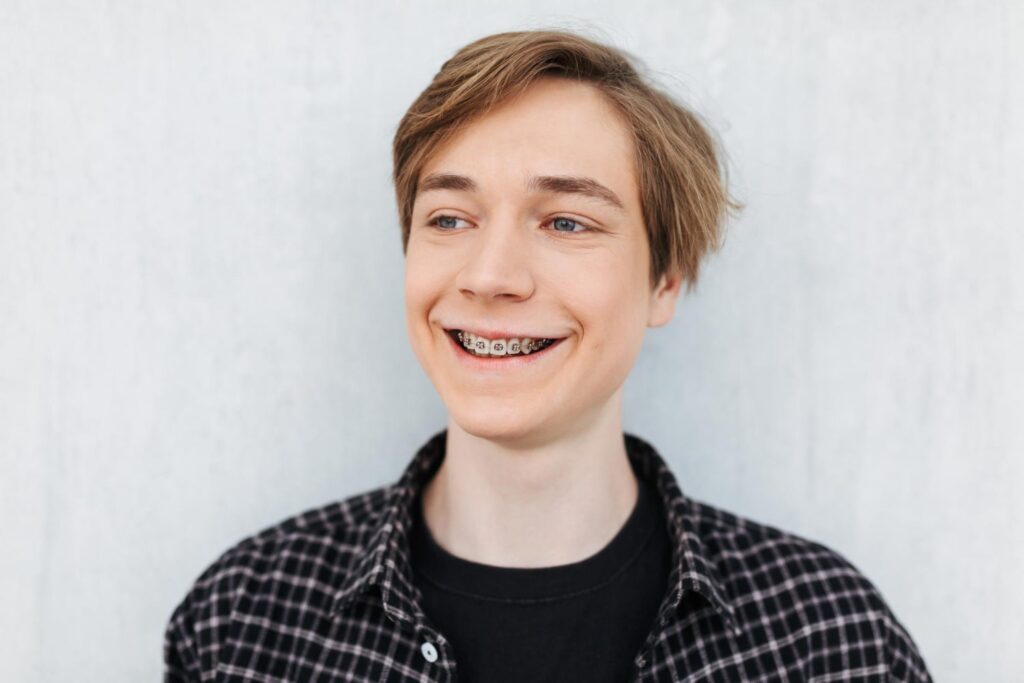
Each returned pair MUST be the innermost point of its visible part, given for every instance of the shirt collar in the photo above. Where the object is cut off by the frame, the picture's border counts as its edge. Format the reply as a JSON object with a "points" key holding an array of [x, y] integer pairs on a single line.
{"points": [[383, 564]]}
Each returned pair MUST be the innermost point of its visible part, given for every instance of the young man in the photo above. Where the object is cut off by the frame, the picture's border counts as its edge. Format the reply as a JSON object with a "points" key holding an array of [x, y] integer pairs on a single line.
{"points": [[552, 205]]}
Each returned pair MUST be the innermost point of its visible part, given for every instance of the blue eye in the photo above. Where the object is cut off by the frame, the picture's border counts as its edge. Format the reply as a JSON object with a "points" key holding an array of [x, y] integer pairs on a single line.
{"points": [[444, 222], [572, 224]]}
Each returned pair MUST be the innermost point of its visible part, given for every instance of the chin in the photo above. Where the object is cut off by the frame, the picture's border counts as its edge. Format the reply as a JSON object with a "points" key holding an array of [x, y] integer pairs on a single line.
{"points": [[500, 424]]}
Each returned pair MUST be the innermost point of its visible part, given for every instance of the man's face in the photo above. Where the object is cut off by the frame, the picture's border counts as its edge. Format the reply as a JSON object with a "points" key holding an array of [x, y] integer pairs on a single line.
{"points": [[495, 253]]}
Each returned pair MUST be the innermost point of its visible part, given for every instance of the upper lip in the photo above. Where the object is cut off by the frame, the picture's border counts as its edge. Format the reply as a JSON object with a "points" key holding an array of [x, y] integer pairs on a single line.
{"points": [[505, 333]]}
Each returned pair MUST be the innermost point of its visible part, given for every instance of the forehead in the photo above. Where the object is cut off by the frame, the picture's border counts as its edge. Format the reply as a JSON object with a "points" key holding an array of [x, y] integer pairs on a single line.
{"points": [[556, 127]]}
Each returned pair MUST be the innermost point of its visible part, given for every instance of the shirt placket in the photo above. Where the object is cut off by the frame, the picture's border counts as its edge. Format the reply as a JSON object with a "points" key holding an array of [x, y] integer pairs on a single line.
{"points": [[434, 651]]}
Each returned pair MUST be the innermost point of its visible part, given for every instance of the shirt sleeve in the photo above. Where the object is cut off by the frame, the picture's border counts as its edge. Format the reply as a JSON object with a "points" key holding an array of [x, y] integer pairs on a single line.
{"points": [[904, 662], [181, 655], [199, 627]]}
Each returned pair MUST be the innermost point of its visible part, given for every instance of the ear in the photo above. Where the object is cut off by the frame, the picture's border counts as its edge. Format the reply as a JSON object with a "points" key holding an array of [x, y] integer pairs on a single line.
{"points": [[663, 299]]}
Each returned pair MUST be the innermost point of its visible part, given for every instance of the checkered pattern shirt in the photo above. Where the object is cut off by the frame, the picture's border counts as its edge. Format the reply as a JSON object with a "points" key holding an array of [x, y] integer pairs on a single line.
{"points": [[328, 595]]}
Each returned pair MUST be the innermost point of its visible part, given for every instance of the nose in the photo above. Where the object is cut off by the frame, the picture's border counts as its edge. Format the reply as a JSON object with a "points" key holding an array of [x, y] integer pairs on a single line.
{"points": [[497, 266]]}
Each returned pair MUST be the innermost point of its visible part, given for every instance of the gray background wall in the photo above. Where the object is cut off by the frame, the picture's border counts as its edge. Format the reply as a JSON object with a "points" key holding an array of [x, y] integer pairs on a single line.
{"points": [[201, 326]]}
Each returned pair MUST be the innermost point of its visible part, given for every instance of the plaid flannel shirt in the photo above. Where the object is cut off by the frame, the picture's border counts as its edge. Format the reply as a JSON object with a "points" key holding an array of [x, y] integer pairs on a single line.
{"points": [[328, 595]]}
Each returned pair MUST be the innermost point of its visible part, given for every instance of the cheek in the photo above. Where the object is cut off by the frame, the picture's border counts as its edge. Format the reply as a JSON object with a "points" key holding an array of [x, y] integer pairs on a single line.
{"points": [[420, 277], [606, 298], [428, 265], [419, 293]]}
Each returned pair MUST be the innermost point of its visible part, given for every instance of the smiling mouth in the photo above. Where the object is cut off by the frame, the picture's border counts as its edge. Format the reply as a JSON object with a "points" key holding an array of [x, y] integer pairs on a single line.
{"points": [[497, 349]]}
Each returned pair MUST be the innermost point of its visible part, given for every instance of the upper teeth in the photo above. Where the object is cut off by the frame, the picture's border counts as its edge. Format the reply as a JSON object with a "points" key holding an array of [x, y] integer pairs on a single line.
{"points": [[501, 347]]}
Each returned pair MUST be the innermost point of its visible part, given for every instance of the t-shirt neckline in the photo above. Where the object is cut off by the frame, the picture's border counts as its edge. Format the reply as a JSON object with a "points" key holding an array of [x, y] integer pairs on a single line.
{"points": [[474, 579]]}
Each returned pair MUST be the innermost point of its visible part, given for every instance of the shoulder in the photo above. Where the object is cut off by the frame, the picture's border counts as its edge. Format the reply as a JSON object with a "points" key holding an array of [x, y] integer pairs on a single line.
{"points": [[752, 556], [336, 529], [313, 549], [809, 591]]}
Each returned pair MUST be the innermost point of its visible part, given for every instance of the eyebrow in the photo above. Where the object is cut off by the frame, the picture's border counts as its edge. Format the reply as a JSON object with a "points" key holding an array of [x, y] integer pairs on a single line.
{"points": [[558, 184]]}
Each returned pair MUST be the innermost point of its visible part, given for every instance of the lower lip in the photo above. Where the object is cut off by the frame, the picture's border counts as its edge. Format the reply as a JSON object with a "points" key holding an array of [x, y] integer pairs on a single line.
{"points": [[500, 363]]}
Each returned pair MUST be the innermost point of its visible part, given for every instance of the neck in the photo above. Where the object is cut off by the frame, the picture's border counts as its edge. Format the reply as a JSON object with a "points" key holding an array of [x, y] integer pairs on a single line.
{"points": [[553, 502]]}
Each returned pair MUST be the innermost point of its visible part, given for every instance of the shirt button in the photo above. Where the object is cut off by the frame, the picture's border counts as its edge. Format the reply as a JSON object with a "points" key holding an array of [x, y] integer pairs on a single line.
{"points": [[429, 651]]}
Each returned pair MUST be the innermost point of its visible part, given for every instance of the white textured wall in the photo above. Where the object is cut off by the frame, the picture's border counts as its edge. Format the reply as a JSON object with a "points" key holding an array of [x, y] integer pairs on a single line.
{"points": [[201, 322]]}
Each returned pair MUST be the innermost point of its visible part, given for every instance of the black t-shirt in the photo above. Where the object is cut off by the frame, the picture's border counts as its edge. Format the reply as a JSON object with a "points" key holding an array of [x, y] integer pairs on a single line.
{"points": [[583, 621]]}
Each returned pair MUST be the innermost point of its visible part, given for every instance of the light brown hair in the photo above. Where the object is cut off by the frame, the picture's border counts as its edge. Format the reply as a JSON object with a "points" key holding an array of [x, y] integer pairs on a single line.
{"points": [[682, 180]]}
